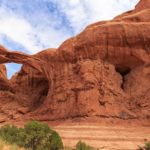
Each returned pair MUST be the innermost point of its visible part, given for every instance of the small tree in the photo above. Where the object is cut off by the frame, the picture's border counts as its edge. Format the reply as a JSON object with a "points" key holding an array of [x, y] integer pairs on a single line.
{"points": [[55, 141], [82, 146], [34, 135], [36, 132], [40, 137]]}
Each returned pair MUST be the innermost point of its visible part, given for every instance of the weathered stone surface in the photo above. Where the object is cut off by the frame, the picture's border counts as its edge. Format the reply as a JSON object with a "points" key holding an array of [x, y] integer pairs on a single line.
{"points": [[103, 72]]}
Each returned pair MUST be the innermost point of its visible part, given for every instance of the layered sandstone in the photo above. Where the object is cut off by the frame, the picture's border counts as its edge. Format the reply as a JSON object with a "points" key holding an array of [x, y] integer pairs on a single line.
{"points": [[103, 72]]}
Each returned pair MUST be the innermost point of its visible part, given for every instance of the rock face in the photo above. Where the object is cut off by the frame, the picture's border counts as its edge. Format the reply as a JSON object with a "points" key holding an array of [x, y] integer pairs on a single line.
{"points": [[103, 72]]}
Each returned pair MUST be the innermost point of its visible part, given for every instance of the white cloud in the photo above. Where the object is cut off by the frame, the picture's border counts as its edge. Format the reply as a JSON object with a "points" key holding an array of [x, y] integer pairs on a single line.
{"points": [[19, 30], [83, 12], [40, 27], [15, 28], [77, 14], [32, 38]]}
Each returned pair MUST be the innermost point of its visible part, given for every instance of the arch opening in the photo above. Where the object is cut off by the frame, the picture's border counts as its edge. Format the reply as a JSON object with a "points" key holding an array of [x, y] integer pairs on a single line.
{"points": [[12, 69]]}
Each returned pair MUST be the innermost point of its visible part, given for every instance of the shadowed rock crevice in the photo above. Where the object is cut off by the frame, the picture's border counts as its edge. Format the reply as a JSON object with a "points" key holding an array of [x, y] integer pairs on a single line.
{"points": [[42, 95], [123, 71]]}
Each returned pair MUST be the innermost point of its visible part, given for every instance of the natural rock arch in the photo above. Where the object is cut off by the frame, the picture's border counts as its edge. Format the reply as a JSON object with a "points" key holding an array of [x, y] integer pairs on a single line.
{"points": [[83, 76]]}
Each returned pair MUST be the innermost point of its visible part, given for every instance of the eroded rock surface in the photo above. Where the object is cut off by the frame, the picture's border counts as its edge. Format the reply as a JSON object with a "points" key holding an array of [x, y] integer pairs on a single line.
{"points": [[103, 72]]}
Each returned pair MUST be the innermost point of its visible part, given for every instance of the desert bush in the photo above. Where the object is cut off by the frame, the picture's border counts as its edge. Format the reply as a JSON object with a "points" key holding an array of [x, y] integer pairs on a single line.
{"points": [[83, 146], [39, 136], [34, 136], [5, 146], [9, 133], [1, 144], [146, 147]]}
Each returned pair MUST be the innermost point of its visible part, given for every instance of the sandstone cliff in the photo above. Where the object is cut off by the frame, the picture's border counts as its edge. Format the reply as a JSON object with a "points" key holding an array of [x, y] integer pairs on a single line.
{"points": [[103, 72]]}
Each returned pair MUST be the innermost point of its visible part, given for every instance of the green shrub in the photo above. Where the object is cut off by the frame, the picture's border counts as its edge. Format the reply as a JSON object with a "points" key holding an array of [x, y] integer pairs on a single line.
{"points": [[5, 146], [146, 147], [55, 141], [82, 146], [34, 135], [40, 136], [9, 133], [1, 144]]}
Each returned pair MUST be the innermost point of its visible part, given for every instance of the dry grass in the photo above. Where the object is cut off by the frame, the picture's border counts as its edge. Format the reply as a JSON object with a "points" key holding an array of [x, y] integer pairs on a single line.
{"points": [[5, 146]]}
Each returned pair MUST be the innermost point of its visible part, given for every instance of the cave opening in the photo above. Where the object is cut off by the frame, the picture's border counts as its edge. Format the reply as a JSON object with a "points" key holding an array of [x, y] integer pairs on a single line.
{"points": [[42, 86], [123, 71]]}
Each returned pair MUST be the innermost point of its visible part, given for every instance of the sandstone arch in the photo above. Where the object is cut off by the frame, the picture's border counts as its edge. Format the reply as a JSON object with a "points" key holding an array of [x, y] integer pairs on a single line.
{"points": [[20, 58], [82, 78]]}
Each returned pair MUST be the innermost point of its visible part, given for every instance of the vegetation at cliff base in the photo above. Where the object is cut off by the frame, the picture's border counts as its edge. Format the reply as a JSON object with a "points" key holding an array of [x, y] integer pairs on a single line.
{"points": [[5, 146], [35, 136], [145, 147], [38, 136], [83, 146]]}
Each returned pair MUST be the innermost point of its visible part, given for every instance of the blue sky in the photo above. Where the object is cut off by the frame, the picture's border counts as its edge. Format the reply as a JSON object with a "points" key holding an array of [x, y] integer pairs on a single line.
{"points": [[33, 25]]}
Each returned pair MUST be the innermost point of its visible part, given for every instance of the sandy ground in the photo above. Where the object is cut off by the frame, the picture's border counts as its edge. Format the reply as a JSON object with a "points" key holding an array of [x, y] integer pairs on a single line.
{"points": [[104, 134], [105, 137]]}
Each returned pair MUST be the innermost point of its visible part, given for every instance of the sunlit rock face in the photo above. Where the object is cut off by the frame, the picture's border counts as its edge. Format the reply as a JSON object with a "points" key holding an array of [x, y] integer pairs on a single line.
{"points": [[104, 72]]}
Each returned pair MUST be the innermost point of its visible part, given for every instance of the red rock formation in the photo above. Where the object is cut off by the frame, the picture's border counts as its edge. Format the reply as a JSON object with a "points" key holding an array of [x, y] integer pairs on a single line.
{"points": [[102, 72]]}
